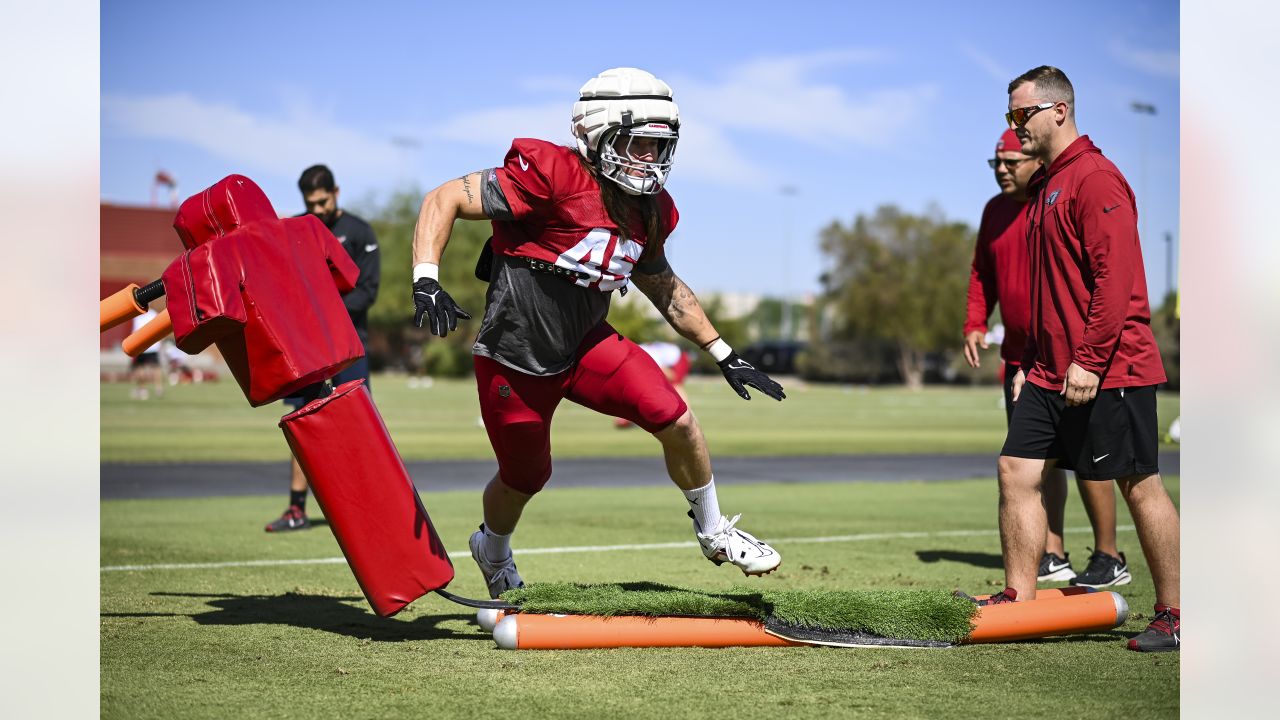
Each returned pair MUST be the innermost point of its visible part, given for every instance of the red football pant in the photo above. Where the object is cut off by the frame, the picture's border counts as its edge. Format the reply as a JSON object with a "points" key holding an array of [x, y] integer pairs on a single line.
{"points": [[612, 376]]}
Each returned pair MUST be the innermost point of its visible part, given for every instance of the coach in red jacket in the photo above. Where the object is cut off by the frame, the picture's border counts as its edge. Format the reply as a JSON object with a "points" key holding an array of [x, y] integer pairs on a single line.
{"points": [[1085, 394], [1000, 276]]}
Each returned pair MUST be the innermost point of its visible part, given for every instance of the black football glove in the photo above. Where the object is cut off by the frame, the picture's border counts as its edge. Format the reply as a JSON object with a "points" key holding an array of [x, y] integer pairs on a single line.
{"points": [[741, 373], [434, 303]]}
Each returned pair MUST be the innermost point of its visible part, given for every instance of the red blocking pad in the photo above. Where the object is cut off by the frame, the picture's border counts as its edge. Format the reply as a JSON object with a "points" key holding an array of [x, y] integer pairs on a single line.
{"points": [[368, 498], [267, 291]]}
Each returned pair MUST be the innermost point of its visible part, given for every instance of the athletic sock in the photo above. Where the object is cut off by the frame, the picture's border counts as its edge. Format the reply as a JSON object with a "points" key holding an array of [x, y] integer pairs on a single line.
{"points": [[299, 498], [496, 547], [705, 506]]}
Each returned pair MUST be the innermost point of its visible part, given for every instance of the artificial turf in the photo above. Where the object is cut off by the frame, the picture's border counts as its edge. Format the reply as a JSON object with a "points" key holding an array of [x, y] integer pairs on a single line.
{"points": [[890, 613]]}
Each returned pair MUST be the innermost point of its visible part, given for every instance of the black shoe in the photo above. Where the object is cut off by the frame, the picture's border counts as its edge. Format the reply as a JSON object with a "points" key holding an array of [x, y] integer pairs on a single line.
{"points": [[1162, 635], [1055, 569], [293, 519], [1104, 571]]}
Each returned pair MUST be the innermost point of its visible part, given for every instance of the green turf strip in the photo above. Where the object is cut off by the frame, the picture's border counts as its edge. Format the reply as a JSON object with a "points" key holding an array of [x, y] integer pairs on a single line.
{"points": [[898, 614]]}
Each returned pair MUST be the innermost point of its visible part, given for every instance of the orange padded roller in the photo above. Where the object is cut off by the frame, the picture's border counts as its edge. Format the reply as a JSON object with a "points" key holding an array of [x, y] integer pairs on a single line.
{"points": [[1048, 616], [118, 308], [150, 334], [526, 631]]}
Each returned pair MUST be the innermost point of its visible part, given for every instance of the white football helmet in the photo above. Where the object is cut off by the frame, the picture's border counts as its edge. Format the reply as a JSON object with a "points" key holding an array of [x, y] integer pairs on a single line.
{"points": [[617, 108]]}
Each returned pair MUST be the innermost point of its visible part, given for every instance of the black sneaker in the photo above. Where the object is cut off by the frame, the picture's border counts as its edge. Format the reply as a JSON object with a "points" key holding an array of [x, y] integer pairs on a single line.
{"points": [[1055, 569], [1162, 635], [1104, 571], [293, 519]]}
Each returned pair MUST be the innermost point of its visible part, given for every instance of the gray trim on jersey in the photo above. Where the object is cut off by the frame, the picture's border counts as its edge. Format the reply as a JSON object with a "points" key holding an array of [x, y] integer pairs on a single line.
{"points": [[534, 322], [492, 200]]}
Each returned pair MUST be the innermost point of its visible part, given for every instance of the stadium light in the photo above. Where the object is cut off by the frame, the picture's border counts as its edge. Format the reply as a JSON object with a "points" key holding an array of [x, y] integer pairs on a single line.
{"points": [[1142, 108], [787, 191]]}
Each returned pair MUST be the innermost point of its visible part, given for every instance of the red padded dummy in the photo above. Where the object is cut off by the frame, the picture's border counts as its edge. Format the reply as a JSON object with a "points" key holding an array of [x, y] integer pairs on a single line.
{"points": [[368, 498], [266, 290]]}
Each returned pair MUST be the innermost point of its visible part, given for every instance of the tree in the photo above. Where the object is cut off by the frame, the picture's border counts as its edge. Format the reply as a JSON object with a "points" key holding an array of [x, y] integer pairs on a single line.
{"points": [[392, 332], [899, 279], [631, 318], [1166, 327]]}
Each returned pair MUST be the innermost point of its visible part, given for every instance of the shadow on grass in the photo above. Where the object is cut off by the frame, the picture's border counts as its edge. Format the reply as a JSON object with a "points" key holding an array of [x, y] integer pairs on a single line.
{"points": [[317, 612], [977, 559]]}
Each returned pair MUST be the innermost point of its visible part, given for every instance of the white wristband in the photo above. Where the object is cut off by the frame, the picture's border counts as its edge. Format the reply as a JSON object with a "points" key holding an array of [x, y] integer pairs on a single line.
{"points": [[720, 350], [426, 270]]}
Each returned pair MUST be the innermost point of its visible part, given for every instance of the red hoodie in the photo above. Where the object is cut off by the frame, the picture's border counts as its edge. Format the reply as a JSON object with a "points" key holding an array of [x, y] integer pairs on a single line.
{"points": [[1088, 286], [1000, 275]]}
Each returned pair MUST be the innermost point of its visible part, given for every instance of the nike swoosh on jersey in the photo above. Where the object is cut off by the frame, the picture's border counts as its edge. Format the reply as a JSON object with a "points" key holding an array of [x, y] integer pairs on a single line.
{"points": [[523, 165], [371, 248], [1107, 210]]}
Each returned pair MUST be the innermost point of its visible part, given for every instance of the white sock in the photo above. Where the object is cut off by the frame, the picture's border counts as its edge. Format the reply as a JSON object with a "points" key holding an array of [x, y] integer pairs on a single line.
{"points": [[705, 506], [496, 547]]}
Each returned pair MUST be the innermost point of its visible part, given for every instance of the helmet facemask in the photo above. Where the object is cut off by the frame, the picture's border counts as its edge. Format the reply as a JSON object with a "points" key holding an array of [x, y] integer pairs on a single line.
{"points": [[636, 171]]}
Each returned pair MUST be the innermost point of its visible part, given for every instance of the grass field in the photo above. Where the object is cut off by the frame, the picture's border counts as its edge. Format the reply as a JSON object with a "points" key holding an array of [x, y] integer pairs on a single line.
{"points": [[213, 422], [223, 640]]}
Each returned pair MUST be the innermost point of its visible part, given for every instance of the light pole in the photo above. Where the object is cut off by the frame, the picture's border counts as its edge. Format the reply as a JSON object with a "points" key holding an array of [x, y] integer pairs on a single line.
{"points": [[1143, 109], [787, 191]]}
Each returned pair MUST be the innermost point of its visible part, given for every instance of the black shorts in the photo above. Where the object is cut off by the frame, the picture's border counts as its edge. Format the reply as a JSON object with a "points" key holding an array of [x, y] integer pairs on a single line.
{"points": [[146, 359], [1114, 436]]}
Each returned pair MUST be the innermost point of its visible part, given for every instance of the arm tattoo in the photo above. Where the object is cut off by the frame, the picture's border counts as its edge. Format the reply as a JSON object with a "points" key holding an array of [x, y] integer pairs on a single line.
{"points": [[682, 300], [466, 187], [668, 293]]}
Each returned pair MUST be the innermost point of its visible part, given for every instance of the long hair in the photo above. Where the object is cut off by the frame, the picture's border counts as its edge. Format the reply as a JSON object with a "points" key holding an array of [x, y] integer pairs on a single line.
{"points": [[623, 208]]}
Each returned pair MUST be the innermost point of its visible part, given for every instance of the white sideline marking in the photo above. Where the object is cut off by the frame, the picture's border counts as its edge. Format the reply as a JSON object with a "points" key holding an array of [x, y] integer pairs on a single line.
{"points": [[589, 548]]}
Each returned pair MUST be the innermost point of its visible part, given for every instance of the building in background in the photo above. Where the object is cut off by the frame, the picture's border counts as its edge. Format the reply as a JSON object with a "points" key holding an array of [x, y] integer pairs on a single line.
{"points": [[136, 244]]}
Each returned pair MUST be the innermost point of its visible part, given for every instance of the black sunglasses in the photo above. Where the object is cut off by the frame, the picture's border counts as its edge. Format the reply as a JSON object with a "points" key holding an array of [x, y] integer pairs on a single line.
{"points": [[1013, 164], [1018, 117]]}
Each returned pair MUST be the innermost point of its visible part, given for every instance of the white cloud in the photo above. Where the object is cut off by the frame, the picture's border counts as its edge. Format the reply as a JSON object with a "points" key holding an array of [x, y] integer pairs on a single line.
{"points": [[706, 153], [779, 96], [497, 126], [989, 64], [1155, 62], [776, 96], [250, 143]]}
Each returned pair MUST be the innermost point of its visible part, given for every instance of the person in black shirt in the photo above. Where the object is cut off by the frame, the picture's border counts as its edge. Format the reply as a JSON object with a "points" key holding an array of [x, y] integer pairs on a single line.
{"points": [[320, 194]]}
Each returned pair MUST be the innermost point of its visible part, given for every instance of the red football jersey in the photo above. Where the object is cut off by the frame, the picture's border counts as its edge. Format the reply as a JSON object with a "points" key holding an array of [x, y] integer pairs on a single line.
{"points": [[558, 216]]}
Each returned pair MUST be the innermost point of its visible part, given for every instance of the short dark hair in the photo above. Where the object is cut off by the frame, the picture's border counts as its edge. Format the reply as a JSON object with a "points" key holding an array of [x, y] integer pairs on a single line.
{"points": [[1051, 85], [316, 177]]}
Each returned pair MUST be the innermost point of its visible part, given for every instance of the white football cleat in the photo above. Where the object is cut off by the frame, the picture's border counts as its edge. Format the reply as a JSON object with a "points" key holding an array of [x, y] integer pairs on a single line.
{"points": [[499, 576], [729, 544]]}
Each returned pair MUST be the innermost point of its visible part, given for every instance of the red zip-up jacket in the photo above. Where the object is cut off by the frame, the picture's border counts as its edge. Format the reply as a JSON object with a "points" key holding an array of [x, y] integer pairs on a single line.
{"points": [[1000, 275], [1088, 286]]}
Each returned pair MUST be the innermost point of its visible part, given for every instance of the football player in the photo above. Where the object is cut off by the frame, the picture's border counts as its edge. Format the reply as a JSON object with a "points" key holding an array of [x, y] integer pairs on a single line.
{"points": [[571, 225]]}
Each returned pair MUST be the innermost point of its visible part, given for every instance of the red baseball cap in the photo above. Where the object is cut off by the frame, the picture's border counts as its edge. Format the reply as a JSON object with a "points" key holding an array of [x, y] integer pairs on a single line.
{"points": [[1009, 142]]}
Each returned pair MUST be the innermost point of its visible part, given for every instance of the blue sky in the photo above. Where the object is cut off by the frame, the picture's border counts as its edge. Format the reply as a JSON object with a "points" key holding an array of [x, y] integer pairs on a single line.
{"points": [[853, 105]]}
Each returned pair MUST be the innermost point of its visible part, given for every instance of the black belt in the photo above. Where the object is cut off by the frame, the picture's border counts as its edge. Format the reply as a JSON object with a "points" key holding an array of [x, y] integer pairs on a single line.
{"points": [[543, 266]]}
